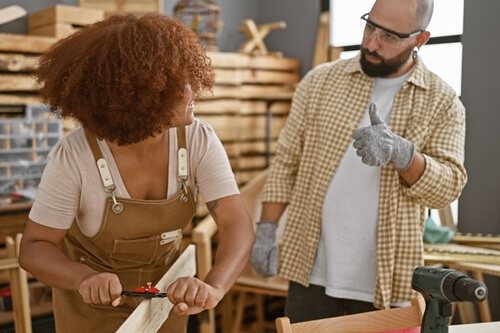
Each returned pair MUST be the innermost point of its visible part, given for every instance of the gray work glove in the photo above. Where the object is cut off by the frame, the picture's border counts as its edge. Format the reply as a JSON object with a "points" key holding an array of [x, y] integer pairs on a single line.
{"points": [[264, 256], [377, 145]]}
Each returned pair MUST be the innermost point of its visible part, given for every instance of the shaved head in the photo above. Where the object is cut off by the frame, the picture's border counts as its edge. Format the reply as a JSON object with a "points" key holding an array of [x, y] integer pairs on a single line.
{"points": [[424, 13]]}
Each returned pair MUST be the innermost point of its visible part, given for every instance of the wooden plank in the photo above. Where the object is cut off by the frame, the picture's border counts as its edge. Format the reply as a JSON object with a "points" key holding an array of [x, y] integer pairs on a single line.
{"points": [[335, 52], [252, 127], [71, 15], [254, 76], [280, 107], [231, 106], [257, 147], [450, 252], [244, 176], [255, 127], [17, 82], [274, 63], [252, 162], [228, 59], [124, 6], [25, 43], [58, 30], [239, 60], [322, 40], [16, 62], [263, 92], [151, 313], [19, 286], [19, 99], [253, 147]]}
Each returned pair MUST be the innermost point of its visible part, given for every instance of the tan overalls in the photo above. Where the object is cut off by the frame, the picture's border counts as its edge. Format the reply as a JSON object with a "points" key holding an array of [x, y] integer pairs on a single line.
{"points": [[138, 240]]}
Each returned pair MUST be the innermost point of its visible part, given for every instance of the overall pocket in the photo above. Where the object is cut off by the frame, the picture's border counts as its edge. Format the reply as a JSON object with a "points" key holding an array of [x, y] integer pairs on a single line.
{"points": [[140, 251]]}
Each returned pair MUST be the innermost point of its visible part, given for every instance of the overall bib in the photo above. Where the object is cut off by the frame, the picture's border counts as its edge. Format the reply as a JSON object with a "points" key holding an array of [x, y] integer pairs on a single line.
{"points": [[138, 241]]}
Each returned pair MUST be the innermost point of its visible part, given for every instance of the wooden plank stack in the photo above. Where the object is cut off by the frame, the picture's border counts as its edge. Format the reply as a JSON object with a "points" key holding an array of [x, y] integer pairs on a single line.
{"points": [[249, 105], [248, 108], [18, 59], [113, 7], [62, 20]]}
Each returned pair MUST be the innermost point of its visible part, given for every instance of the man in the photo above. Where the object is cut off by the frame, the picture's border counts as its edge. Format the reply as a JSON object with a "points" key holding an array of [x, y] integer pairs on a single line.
{"points": [[356, 209]]}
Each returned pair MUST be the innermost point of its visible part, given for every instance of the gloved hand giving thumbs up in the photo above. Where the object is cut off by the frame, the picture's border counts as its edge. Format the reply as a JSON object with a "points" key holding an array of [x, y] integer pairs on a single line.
{"points": [[377, 145]]}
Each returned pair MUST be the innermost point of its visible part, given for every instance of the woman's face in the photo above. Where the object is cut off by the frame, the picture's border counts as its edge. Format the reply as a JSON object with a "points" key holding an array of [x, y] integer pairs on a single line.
{"points": [[185, 115]]}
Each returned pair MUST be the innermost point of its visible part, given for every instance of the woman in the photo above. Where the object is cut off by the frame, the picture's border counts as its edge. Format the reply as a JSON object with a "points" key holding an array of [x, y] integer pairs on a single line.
{"points": [[118, 191]]}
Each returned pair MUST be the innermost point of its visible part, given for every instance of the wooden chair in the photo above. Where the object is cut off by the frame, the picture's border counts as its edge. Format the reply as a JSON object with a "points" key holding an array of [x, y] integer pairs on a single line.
{"points": [[249, 286], [18, 284], [396, 318]]}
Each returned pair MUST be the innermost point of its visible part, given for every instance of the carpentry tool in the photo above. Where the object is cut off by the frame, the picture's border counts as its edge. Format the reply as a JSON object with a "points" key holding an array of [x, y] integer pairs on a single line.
{"points": [[149, 292], [440, 287]]}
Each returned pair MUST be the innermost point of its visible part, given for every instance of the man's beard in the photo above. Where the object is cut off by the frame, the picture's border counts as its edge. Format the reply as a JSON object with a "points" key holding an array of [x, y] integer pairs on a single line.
{"points": [[386, 67]]}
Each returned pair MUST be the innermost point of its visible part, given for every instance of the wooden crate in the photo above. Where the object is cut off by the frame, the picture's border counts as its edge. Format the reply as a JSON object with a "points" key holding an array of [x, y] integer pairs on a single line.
{"points": [[112, 7], [62, 20]]}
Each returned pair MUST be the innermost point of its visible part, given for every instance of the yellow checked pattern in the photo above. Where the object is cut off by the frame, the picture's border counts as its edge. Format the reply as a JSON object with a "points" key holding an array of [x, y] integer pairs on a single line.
{"points": [[328, 105]]}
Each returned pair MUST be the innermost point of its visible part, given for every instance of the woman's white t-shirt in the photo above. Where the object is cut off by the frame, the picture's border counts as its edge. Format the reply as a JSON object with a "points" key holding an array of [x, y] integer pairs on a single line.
{"points": [[71, 186]]}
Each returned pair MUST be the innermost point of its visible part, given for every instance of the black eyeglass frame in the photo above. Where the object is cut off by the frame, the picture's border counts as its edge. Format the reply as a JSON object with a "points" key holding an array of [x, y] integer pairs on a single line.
{"points": [[400, 35]]}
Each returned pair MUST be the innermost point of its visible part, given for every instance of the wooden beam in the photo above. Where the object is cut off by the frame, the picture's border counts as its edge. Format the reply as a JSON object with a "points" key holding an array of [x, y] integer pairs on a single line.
{"points": [[19, 286], [322, 40], [17, 82], [71, 15], [25, 43], [16, 62], [262, 92], [152, 313], [19, 99]]}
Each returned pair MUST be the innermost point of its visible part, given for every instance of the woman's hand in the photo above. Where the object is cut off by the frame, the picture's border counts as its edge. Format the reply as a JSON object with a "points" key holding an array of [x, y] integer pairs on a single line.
{"points": [[101, 288], [190, 295]]}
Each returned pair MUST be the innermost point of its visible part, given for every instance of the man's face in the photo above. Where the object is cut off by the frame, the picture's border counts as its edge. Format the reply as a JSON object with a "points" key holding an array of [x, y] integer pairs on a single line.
{"points": [[384, 67]]}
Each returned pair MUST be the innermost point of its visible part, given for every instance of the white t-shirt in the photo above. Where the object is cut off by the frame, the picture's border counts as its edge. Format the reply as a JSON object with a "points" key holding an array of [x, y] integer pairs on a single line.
{"points": [[345, 262], [71, 186]]}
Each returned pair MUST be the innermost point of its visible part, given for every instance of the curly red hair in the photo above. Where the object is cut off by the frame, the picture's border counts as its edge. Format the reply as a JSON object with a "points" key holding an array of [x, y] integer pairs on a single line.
{"points": [[122, 77]]}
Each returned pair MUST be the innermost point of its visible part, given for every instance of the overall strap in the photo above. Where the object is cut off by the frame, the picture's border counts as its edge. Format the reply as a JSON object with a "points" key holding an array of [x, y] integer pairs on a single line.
{"points": [[102, 167], [93, 145], [182, 159]]}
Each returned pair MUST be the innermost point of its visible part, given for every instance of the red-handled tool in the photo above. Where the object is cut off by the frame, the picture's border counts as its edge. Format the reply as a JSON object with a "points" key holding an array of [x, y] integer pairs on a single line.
{"points": [[149, 292]]}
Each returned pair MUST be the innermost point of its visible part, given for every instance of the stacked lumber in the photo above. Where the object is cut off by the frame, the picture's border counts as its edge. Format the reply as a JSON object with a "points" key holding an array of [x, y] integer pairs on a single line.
{"points": [[18, 59], [249, 105], [62, 20], [113, 7]]}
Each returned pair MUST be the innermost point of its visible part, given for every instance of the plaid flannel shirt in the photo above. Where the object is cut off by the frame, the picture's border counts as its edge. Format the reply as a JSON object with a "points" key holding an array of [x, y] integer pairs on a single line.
{"points": [[327, 107]]}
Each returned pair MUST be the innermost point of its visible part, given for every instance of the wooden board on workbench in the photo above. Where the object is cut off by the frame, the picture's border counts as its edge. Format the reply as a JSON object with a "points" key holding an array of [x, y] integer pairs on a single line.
{"points": [[450, 252]]}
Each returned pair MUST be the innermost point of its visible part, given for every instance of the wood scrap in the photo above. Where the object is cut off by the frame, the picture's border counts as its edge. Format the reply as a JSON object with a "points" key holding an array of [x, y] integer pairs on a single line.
{"points": [[152, 313]]}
